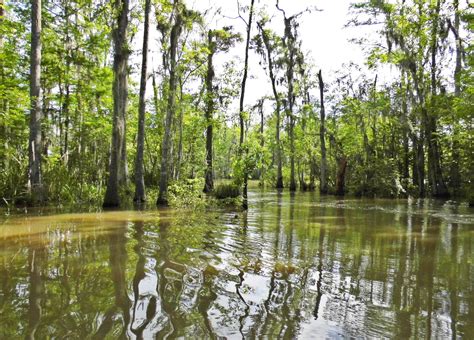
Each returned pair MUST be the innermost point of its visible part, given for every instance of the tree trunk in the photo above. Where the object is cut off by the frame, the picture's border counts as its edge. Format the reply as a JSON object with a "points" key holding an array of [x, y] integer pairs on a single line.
{"points": [[418, 142], [67, 102], [341, 176], [323, 187], [140, 194], [268, 47], [165, 149], [455, 171], [438, 187], [312, 172], [241, 106], [123, 170], [35, 185], [120, 96], [209, 184], [290, 60], [158, 122], [406, 131], [420, 164], [45, 127]]}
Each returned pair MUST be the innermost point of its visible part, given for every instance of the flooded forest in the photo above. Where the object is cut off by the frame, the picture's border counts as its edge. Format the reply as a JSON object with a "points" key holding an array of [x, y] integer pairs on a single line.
{"points": [[238, 169]]}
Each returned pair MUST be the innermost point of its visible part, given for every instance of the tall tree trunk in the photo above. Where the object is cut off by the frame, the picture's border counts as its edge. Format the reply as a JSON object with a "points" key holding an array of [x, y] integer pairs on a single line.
{"points": [[418, 142], [323, 187], [300, 164], [241, 106], [209, 184], [158, 119], [406, 130], [165, 149], [438, 187], [290, 60], [455, 171], [276, 96], [35, 185], [140, 194], [67, 100], [120, 95], [67, 103]]}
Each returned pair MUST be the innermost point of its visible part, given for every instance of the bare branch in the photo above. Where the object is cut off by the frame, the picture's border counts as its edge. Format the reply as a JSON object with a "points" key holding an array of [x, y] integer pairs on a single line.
{"points": [[280, 9], [240, 16], [191, 72], [297, 15]]}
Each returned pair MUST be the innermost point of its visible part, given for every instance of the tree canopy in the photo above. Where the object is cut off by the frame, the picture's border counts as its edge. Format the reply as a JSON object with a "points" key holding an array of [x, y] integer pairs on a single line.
{"points": [[77, 123]]}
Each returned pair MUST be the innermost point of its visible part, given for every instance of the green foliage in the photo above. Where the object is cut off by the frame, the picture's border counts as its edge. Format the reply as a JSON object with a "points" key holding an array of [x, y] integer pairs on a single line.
{"points": [[376, 179], [367, 123], [226, 190], [187, 194], [249, 158]]}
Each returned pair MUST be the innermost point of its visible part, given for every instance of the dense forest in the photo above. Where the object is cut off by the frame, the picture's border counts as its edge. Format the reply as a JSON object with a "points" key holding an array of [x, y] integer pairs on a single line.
{"points": [[87, 115]]}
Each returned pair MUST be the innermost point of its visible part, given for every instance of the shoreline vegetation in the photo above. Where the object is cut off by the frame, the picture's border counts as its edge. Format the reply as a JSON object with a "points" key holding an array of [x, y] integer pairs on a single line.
{"points": [[188, 197], [84, 121]]}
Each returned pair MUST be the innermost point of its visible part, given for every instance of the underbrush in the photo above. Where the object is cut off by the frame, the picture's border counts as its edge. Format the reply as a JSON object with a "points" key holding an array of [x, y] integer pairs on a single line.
{"points": [[187, 194], [226, 190], [375, 180]]}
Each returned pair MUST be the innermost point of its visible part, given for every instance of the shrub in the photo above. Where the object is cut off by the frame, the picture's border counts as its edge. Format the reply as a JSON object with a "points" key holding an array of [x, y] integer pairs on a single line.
{"points": [[187, 194], [223, 191]]}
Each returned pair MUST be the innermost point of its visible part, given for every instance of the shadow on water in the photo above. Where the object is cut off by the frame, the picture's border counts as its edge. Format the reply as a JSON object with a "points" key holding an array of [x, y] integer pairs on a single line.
{"points": [[293, 265]]}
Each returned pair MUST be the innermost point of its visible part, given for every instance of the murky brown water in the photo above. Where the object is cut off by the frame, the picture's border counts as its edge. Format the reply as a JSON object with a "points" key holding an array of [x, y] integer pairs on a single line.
{"points": [[300, 266]]}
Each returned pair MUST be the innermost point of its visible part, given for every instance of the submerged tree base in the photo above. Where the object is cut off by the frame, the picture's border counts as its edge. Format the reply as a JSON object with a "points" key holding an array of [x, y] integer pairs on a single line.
{"points": [[162, 202], [108, 205]]}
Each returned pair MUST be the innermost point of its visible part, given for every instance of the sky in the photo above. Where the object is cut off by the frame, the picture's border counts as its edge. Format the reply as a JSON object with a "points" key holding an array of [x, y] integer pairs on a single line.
{"points": [[322, 32], [324, 37]]}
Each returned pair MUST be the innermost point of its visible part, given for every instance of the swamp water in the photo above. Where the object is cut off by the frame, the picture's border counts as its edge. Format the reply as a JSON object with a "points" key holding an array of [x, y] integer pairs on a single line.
{"points": [[292, 266]]}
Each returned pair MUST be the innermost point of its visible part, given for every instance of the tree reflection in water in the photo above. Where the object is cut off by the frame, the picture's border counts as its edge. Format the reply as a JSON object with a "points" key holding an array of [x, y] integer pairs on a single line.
{"points": [[293, 265], [36, 260]]}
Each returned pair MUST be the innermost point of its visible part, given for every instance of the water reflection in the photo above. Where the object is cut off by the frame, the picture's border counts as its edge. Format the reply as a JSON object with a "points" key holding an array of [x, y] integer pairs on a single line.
{"points": [[36, 260], [293, 265]]}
